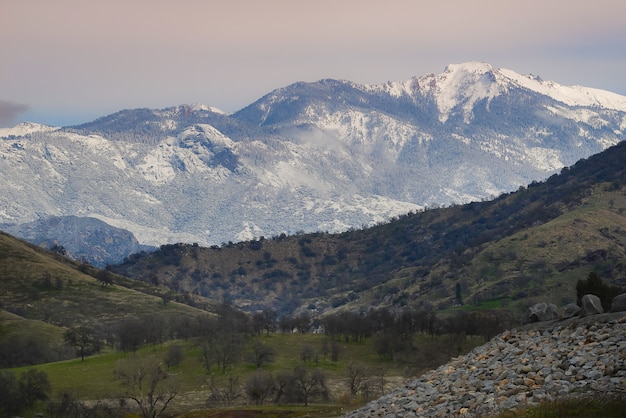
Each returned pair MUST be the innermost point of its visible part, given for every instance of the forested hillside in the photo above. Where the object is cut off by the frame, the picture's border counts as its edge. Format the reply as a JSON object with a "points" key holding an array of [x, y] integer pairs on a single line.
{"points": [[533, 243]]}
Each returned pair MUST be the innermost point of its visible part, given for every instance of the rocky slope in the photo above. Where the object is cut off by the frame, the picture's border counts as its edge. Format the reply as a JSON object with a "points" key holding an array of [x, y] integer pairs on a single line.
{"points": [[521, 367]]}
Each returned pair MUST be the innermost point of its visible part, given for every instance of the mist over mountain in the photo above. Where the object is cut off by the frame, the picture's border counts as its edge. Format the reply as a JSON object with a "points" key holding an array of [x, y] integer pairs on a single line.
{"points": [[324, 156]]}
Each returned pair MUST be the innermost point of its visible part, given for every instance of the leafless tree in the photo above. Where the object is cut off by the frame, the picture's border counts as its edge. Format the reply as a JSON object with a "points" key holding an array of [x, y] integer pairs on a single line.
{"points": [[225, 395], [262, 353], [307, 384], [259, 387], [144, 381], [173, 356], [358, 377]]}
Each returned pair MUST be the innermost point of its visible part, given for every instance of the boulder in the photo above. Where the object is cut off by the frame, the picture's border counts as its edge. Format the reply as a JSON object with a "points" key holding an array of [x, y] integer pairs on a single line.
{"points": [[591, 305], [619, 303], [540, 312], [570, 310]]}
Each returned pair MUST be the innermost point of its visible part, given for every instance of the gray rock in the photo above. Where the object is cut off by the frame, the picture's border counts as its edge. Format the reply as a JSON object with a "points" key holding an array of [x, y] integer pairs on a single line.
{"points": [[570, 310], [591, 305], [540, 312], [619, 303]]}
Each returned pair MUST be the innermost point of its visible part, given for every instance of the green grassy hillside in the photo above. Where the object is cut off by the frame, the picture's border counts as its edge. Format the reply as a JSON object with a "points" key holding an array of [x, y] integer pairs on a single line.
{"points": [[42, 295], [39, 285]]}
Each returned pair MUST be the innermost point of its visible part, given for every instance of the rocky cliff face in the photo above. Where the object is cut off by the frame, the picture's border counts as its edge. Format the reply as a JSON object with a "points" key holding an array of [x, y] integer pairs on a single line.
{"points": [[517, 368]]}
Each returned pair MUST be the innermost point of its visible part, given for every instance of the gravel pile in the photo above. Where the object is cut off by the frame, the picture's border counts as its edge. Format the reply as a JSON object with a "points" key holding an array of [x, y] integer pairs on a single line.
{"points": [[517, 368]]}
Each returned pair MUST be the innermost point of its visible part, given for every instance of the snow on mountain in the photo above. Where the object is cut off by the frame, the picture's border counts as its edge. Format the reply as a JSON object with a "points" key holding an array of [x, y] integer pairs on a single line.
{"points": [[464, 84], [199, 106], [470, 82], [570, 95], [25, 128], [326, 156]]}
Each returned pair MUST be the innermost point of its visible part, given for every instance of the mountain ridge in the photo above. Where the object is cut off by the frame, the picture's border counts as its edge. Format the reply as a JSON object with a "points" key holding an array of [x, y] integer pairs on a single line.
{"points": [[323, 156]]}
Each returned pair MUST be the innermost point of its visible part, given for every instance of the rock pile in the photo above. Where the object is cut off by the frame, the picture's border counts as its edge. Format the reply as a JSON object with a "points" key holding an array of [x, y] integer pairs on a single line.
{"points": [[522, 367]]}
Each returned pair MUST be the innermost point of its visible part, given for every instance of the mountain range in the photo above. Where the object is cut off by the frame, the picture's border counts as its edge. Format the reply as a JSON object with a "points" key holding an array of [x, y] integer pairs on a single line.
{"points": [[324, 156]]}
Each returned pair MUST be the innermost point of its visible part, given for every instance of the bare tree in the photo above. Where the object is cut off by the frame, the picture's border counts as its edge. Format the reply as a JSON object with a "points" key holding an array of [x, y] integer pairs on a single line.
{"points": [[303, 322], [259, 387], [226, 395], [358, 377], [307, 353], [173, 356], [206, 356], [306, 384], [335, 349], [145, 382], [222, 349], [224, 340], [261, 353], [380, 380]]}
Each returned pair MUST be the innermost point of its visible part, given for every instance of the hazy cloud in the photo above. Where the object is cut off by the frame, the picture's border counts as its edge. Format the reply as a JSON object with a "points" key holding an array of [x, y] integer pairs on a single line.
{"points": [[9, 111]]}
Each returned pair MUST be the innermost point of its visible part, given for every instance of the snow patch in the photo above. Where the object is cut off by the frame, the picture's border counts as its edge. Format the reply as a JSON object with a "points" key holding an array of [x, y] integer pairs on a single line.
{"points": [[545, 159], [465, 84], [25, 128], [197, 107], [156, 166], [249, 232], [207, 132], [583, 115], [570, 95]]}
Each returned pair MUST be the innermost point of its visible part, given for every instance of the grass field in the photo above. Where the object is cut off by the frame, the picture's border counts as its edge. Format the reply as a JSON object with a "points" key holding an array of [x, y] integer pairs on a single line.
{"points": [[94, 378]]}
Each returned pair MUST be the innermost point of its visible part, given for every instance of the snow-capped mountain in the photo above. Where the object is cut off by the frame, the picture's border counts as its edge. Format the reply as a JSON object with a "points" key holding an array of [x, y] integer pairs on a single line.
{"points": [[329, 155]]}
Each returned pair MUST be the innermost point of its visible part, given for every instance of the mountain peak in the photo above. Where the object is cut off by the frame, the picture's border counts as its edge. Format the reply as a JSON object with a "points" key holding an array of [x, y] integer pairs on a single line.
{"points": [[463, 84], [198, 107], [25, 128], [473, 67], [466, 83]]}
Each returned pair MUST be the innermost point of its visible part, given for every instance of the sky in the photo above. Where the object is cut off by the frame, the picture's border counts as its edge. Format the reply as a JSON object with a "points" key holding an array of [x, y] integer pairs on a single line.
{"points": [[66, 62]]}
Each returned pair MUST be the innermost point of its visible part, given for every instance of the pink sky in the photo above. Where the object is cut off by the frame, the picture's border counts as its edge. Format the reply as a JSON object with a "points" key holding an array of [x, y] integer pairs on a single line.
{"points": [[69, 61]]}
